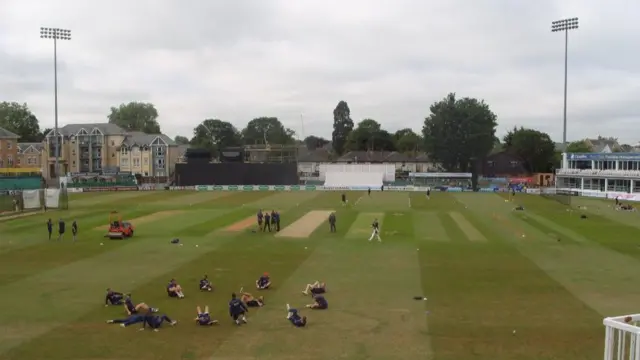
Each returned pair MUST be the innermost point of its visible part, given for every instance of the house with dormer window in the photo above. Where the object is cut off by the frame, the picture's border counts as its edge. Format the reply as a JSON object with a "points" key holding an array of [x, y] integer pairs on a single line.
{"points": [[107, 148]]}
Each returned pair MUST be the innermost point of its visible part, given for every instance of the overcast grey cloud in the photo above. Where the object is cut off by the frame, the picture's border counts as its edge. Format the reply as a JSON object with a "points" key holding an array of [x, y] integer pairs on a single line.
{"points": [[236, 60]]}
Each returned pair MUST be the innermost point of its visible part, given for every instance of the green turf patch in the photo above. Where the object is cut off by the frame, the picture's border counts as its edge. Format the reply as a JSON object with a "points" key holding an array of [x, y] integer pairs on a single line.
{"points": [[361, 227], [470, 231], [398, 225], [428, 226], [229, 266], [503, 292], [382, 321]]}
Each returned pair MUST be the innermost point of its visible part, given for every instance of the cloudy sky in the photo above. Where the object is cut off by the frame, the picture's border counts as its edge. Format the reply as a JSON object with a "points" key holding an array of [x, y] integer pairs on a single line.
{"points": [[236, 60]]}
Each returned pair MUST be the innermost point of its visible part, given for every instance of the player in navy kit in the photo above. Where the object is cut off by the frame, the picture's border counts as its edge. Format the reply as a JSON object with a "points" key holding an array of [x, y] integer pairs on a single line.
{"points": [[294, 317], [132, 319], [203, 318], [155, 321], [113, 298], [132, 309], [264, 282], [315, 288], [319, 303], [205, 284], [237, 310], [174, 289]]}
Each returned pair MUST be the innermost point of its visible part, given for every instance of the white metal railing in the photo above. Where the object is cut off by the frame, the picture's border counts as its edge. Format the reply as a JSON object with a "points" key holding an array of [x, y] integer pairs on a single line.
{"points": [[622, 338], [592, 172]]}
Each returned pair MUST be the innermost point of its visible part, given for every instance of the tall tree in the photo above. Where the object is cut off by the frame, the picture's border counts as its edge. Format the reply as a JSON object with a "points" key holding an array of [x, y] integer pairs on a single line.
{"points": [[342, 126], [459, 132], [267, 130], [534, 148], [580, 146], [369, 136], [214, 135], [181, 140], [407, 141], [314, 142], [18, 119], [136, 116]]}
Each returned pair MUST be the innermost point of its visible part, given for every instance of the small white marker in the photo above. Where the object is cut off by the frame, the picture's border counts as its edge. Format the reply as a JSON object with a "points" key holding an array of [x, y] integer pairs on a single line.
{"points": [[418, 249], [514, 332], [523, 235], [101, 244], [305, 248], [196, 245]]}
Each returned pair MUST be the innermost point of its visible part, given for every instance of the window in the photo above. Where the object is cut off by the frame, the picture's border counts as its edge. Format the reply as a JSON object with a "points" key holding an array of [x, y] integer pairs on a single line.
{"points": [[159, 150], [113, 143], [124, 162], [9, 145], [136, 162], [10, 160], [73, 152], [124, 151], [31, 160], [74, 163], [146, 161], [1, 162], [19, 161], [85, 162]]}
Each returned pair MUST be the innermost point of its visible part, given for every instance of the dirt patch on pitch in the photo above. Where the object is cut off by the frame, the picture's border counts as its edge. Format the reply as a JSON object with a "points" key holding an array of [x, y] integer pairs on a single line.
{"points": [[242, 225], [306, 225], [148, 218]]}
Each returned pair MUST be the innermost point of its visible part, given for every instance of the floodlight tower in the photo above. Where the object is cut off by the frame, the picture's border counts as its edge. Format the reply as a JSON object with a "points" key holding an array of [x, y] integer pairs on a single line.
{"points": [[557, 26], [55, 34]]}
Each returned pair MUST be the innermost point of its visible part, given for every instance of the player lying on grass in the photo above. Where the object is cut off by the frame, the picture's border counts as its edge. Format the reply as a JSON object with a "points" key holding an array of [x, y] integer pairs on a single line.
{"points": [[203, 318], [155, 321], [135, 309], [315, 288], [250, 300], [263, 282], [205, 284], [174, 290], [133, 319], [319, 303], [237, 310], [113, 298], [295, 318]]}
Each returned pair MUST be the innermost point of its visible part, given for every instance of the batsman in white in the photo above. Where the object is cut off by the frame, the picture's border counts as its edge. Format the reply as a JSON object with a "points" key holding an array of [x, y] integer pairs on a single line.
{"points": [[376, 230]]}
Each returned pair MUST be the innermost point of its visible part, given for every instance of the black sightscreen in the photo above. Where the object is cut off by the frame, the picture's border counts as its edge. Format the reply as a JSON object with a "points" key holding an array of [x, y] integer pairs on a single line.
{"points": [[233, 173]]}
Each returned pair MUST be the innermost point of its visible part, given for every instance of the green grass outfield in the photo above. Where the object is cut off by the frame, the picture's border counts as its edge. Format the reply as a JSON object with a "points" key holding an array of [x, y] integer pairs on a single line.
{"points": [[486, 270]]}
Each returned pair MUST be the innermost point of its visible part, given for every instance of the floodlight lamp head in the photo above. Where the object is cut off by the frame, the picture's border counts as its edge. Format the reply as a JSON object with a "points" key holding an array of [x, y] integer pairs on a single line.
{"points": [[55, 33]]}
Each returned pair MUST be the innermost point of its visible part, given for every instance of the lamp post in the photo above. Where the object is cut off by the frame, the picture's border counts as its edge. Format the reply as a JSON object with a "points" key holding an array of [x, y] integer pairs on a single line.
{"points": [[55, 34], [558, 26]]}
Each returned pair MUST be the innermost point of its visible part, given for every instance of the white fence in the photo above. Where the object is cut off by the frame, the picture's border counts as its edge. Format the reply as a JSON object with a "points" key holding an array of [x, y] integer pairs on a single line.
{"points": [[373, 180], [622, 337]]}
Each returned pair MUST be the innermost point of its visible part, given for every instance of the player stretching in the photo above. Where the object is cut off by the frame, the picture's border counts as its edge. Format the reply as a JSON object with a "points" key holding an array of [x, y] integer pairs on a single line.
{"points": [[376, 230]]}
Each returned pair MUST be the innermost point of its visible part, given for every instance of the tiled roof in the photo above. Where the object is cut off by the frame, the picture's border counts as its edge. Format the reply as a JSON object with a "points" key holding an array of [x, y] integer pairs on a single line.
{"points": [[6, 134], [22, 147]]}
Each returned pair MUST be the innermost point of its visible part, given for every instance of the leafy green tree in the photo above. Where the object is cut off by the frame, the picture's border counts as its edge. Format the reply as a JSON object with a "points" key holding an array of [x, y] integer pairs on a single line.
{"points": [[342, 126], [459, 132], [43, 134], [18, 119], [214, 135], [267, 130], [580, 146], [181, 140], [369, 136], [314, 142], [535, 149], [136, 116], [407, 141]]}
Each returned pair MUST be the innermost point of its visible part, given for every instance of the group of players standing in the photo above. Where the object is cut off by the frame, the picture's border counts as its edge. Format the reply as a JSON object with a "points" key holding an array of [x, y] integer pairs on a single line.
{"points": [[266, 220], [238, 306]]}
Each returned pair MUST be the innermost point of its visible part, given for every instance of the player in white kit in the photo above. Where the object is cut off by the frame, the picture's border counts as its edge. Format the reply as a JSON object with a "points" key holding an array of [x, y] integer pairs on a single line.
{"points": [[376, 230]]}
